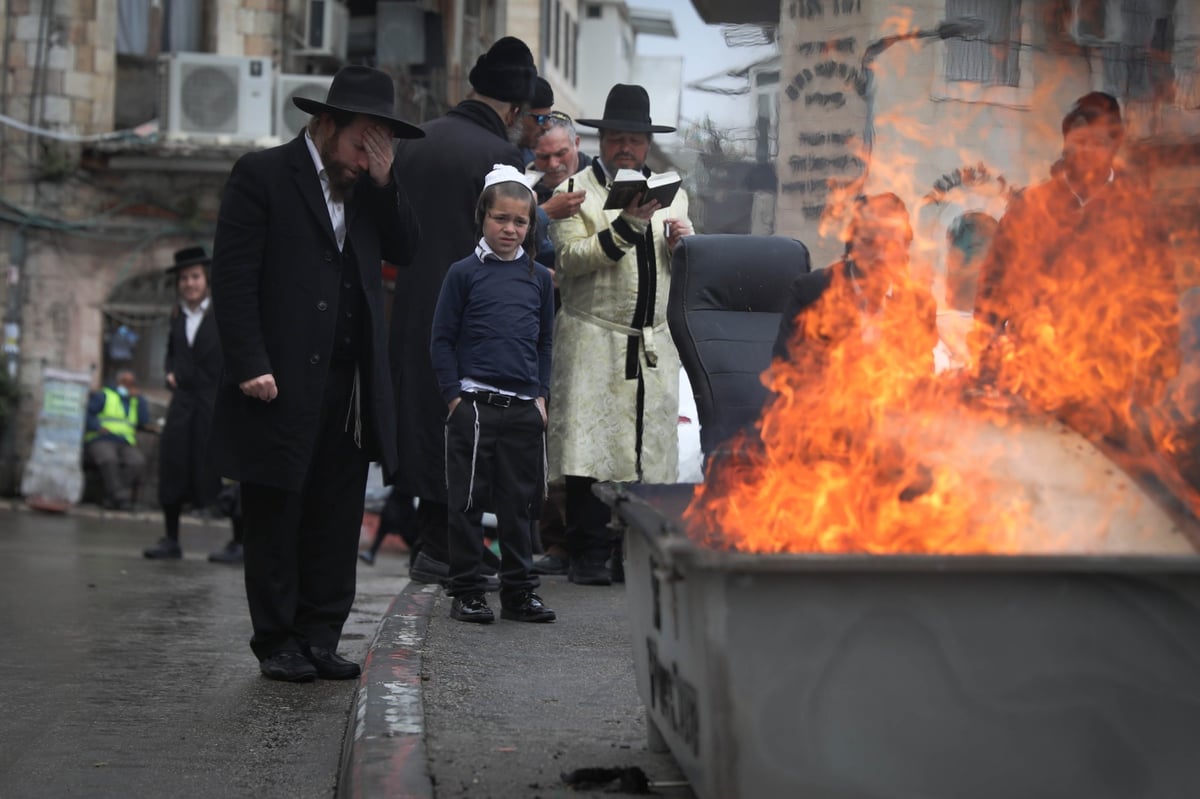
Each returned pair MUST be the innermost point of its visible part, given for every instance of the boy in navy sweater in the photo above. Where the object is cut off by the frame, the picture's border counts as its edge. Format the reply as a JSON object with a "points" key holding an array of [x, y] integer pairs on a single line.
{"points": [[491, 345]]}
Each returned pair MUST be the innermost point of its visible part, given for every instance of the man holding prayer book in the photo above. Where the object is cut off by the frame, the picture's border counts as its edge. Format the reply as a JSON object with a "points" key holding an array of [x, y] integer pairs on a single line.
{"points": [[615, 380]]}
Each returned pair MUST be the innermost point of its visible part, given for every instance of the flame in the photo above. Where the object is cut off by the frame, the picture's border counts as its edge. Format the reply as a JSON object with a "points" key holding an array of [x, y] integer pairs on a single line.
{"points": [[842, 464], [861, 448]]}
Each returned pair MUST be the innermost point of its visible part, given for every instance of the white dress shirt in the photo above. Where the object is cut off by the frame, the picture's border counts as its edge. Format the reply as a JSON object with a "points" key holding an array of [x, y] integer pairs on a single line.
{"points": [[337, 208], [192, 319]]}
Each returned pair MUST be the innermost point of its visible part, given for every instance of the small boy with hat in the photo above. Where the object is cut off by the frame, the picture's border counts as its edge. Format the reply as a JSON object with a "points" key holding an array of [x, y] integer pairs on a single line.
{"points": [[492, 336], [193, 371]]}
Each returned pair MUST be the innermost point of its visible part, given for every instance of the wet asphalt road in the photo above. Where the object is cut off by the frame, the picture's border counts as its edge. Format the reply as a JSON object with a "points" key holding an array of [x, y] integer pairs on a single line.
{"points": [[124, 677]]}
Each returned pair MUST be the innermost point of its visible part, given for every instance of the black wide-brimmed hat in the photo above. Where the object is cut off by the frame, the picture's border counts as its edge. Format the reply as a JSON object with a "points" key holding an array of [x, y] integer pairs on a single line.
{"points": [[627, 108], [362, 90], [189, 256]]}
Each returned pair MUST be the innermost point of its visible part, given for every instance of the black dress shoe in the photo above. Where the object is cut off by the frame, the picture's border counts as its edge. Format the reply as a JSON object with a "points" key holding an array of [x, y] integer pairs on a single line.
{"points": [[526, 606], [288, 667], [550, 564], [332, 666], [165, 549], [230, 553], [589, 571], [473, 608]]}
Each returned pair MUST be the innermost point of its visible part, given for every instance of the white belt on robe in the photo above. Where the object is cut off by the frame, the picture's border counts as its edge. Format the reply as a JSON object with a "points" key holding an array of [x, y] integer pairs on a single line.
{"points": [[646, 334]]}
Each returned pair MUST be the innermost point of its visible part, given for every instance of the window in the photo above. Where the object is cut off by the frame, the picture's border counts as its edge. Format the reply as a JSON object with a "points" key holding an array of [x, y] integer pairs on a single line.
{"points": [[146, 29], [1138, 65], [557, 31], [574, 53], [568, 44], [1090, 19], [594, 11], [991, 59], [546, 28]]}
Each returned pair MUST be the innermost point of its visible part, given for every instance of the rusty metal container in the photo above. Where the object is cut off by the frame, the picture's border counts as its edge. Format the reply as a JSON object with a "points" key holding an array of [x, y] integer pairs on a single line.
{"points": [[929, 677]]}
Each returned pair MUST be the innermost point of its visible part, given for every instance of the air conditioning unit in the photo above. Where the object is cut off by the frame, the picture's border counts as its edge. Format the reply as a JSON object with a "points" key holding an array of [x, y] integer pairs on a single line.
{"points": [[1096, 22], [324, 30], [289, 119], [204, 95]]}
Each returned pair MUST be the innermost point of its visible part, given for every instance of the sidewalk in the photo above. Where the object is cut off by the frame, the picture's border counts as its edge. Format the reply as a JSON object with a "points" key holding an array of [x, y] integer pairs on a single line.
{"points": [[443, 709], [449, 709]]}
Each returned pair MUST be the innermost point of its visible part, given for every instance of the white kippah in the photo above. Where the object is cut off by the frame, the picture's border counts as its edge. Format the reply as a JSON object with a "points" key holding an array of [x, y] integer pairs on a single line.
{"points": [[503, 173]]}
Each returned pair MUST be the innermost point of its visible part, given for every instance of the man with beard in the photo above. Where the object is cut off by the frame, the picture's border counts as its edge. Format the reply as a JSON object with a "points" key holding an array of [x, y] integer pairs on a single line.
{"points": [[305, 402], [615, 385], [1090, 231], [446, 170]]}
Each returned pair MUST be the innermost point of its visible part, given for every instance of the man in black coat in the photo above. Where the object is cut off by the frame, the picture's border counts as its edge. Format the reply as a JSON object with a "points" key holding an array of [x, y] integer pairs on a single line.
{"points": [[446, 170], [306, 401], [193, 369]]}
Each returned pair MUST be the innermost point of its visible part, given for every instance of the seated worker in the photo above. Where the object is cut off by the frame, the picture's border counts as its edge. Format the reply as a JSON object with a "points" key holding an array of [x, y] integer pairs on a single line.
{"points": [[114, 413], [863, 293]]}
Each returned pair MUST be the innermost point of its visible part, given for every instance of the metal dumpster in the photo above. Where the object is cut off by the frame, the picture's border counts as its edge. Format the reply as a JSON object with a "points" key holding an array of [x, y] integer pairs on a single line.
{"points": [[922, 677]]}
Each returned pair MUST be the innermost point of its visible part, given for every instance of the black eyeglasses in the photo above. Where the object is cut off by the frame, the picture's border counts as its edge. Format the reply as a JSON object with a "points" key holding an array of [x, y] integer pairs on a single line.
{"points": [[542, 119]]}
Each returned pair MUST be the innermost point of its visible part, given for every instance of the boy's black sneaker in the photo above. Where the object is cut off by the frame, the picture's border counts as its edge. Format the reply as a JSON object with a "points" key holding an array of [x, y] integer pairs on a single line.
{"points": [[473, 608], [526, 606]]}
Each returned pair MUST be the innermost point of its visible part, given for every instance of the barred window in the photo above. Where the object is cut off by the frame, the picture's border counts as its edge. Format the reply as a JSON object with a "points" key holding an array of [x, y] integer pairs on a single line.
{"points": [[992, 58]]}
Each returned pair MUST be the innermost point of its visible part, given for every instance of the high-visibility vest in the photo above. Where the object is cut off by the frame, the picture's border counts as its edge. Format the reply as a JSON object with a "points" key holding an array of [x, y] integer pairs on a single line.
{"points": [[113, 418]]}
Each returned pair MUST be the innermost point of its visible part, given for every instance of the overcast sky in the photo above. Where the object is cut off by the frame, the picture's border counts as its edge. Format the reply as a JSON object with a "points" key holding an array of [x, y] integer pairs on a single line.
{"points": [[704, 53]]}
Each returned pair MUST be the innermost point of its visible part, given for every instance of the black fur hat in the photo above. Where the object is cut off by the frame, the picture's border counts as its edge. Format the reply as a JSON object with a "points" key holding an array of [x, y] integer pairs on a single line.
{"points": [[505, 72]]}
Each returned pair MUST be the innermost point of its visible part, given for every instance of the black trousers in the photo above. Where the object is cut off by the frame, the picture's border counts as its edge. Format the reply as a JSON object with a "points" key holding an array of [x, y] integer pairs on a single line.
{"points": [[431, 529], [495, 458], [587, 517], [301, 547]]}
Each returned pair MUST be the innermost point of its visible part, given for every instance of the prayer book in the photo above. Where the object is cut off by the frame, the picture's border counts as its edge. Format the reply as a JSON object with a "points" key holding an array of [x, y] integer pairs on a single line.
{"points": [[629, 183]]}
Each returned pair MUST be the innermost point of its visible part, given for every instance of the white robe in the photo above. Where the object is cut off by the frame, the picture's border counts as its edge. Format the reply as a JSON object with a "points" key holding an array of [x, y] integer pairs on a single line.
{"points": [[593, 403]]}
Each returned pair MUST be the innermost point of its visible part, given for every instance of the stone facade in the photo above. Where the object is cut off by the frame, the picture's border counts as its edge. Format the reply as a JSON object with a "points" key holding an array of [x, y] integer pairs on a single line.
{"points": [[83, 219], [865, 106]]}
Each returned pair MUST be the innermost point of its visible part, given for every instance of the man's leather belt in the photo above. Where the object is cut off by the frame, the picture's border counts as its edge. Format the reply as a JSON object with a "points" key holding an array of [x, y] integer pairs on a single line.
{"points": [[491, 398]]}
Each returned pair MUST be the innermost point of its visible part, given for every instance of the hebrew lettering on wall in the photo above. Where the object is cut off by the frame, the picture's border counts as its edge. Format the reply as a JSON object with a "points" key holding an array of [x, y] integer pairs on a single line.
{"points": [[829, 79]]}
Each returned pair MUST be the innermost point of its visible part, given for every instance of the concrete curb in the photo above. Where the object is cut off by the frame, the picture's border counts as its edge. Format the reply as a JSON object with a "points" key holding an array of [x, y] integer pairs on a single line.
{"points": [[384, 751], [20, 505]]}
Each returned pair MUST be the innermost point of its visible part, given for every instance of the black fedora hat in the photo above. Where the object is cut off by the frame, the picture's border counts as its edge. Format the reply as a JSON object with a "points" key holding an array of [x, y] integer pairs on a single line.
{"points": [[189, 256], [362, 90], [627, 108]]}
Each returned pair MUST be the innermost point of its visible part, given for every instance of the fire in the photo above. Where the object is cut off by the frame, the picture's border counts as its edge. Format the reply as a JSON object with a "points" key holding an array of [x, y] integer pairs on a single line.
{"points": [[862, 448], [844, 462]]}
